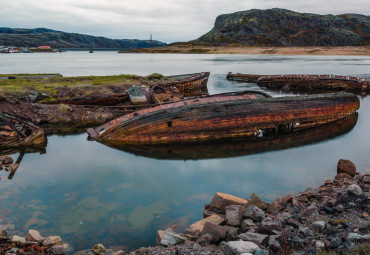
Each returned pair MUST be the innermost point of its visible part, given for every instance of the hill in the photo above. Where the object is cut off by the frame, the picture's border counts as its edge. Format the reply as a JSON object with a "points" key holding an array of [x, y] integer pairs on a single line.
{"points": [[21, 37], [280, 27]]}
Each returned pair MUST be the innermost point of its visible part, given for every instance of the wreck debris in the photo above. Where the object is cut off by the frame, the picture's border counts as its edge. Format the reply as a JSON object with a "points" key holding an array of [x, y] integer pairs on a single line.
{"points": [[225, 116], [15, 132], [303, 81]]}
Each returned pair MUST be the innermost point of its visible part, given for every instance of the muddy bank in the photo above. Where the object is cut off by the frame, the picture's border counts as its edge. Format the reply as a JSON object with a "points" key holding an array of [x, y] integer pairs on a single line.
{"points": [[331, 219]]}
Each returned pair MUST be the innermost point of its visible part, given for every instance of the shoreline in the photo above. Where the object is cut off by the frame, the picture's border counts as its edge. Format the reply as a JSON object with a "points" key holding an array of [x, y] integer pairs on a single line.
{"points": [[303, 50], [330, 219]]}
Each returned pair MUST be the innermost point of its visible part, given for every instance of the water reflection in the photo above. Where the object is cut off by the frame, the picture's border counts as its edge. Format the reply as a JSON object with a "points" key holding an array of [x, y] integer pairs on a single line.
{"points": [[242, 147]]}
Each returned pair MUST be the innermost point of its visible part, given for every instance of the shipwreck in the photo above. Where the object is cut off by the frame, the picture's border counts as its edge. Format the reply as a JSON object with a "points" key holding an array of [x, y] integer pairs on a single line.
{"points": [[225, 116], [304, 82]]}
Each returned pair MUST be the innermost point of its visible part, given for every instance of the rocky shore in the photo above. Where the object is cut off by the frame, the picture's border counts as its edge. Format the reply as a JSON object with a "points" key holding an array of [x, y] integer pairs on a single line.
{"points": [[331, 219]]}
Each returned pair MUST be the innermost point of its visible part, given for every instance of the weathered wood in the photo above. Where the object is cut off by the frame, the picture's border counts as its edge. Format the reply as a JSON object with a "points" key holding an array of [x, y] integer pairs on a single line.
{"points": [[221, 117], [304, 82], [162, 95]]}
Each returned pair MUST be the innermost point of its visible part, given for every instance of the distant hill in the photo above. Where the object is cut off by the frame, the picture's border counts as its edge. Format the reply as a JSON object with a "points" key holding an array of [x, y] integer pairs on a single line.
{"points": [[279, 27], [21, 37]]}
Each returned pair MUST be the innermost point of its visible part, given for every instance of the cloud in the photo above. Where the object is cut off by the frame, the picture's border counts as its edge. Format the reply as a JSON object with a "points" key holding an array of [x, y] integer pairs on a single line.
{"points": [[167, 20]]}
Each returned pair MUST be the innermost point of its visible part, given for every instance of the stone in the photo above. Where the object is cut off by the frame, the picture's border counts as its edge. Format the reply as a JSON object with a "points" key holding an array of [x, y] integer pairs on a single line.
{"points": [[304, 231], [355, 238], [98, 249], [279, 204], [334, 243], [354, 189], [52, 240], [294, 223], [342, 176], [205, 239], [231, 233], [34, 236], [57, 249], [239, 247], [309, 211], [254, 213], [18, 239], [254, 237], [120, 252], [318, 225], [196, 228], [234, 214], [346, 166], [216, 231], [261, 252], [246, 224], [255, 200], [170, 238], [12, 167], [6, 160], [320, 245], [160, 234], [268, 226], [221, 200]]}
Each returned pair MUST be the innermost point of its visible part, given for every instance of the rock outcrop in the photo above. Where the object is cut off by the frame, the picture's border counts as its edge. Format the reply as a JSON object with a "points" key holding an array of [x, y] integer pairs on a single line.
{"points": [[279, 27]]}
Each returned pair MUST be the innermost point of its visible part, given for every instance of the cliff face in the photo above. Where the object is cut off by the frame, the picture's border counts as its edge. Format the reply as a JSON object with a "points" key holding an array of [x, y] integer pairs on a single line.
{"points": [[279, 27], [56, 39]]}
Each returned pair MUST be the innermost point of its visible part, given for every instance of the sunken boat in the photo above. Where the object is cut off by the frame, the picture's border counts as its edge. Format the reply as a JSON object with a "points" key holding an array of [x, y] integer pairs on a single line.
{"points": [[304, 82], [225, 116], [16, 132]]}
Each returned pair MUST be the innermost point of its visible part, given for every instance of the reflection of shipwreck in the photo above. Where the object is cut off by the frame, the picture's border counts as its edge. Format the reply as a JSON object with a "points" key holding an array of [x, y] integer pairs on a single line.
{"points": [[225, 116], [242, 147], [304, 82]]}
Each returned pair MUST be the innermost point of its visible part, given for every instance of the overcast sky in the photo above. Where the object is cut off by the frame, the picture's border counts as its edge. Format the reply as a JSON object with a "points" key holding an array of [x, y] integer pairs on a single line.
{"points": [[167, 20]]}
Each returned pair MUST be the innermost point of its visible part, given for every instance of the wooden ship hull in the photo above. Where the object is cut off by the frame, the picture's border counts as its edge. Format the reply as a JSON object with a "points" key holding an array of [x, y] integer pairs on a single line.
{"points": [[241, 147], [15, 133], [224, 117], [304, 82]]}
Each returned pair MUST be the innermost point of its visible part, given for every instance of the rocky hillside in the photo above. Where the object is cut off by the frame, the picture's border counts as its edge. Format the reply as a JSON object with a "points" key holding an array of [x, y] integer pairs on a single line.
{"points": [[20, 37], [279, 27]]}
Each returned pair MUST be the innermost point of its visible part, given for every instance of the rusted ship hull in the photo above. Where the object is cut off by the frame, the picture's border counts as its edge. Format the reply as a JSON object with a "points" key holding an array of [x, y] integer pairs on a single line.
{"points": [[241, 147], [304, 82], [224, 117], [189, 82]]}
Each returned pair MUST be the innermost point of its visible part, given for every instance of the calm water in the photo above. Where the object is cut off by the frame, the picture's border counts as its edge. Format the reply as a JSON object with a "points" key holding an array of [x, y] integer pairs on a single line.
{"points": [[89, 193]]}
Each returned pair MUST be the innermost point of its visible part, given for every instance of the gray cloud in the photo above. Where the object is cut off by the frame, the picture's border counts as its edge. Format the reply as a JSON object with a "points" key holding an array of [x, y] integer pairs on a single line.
{"points": [[176, 20]]}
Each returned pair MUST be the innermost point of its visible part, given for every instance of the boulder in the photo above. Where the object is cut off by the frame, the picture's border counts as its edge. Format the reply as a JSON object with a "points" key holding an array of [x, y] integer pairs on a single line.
{"points": [[52, 240], [355, 238], [261, 252], [309, 211], [196, 228], [246, 224], [279, 204], [216, 231], [335, 242], [120, 252], [255, 237], [268, 226], [342, 176], [239, 247], [234, 214], [205, 239], [346, 166], [170, 238], [318, 225], [160, 234], [98, 249], [221, 200], [354, 189], [18, 240], [34, 236], [57, 249], [231, 233], [255, 200], [254, 213]]}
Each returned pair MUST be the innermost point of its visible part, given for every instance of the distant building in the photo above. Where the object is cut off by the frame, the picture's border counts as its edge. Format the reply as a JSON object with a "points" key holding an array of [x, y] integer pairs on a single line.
{"points": [[44, 47]]}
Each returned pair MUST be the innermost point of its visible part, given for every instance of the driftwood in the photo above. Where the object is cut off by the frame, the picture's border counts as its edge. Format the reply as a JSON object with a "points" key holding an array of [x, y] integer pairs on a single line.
{"points": [[221, 117], [304, 82]]}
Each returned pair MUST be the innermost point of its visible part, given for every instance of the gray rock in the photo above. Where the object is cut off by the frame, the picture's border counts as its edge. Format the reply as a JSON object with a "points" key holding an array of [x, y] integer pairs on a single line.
{"points": [[170, 238], [255, 200], [239, 247], [272, 239], [18, 239], [309, 211], [335, 242], [354, 189], [268, 226], [57, 249], [98, 249], [254, 237], [355, 238], [318, 225], [216, 231], [205, 239], [320, 245], [34, 236], [254, 213], [246, 224], [231, 233], [304, 231], [52, 240], [234, 214]]}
